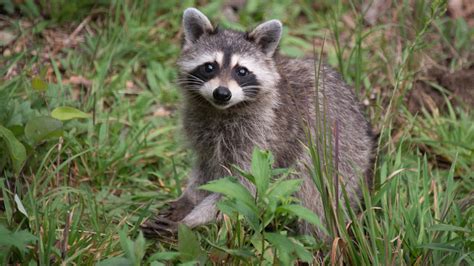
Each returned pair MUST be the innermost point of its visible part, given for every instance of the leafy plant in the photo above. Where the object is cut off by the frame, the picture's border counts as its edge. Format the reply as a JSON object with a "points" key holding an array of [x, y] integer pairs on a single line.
{"points": [[17, 242], [266, 213], [22, 128], [134, 251]]}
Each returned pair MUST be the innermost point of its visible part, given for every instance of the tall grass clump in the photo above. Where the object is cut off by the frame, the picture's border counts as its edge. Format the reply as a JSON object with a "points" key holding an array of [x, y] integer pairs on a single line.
{"points": [[411, 216]]}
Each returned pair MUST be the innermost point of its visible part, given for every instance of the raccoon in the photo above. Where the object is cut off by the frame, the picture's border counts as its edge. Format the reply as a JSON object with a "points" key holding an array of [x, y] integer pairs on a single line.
{"points": [[240, 93]]}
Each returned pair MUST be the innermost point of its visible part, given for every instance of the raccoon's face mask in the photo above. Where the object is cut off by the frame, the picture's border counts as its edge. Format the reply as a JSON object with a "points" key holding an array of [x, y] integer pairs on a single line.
{"points": [[227, 67]]}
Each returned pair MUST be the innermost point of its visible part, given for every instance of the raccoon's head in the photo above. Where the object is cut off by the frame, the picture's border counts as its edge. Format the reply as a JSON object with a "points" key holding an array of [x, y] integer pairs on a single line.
{"points": [[227, 67]]}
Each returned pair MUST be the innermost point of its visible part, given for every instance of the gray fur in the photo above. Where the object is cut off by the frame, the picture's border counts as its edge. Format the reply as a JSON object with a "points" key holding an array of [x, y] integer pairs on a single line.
{"points": [[274, 119]]}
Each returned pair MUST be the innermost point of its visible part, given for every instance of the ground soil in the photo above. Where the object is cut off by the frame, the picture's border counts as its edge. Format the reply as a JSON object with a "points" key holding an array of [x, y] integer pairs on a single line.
{"points": [[458, 85]]}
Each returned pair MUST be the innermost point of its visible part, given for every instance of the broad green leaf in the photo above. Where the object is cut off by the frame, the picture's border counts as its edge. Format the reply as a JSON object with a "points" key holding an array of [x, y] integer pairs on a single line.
{"points": [[17, 130], [284, 246], [139, 248], [19, 239], [43, 127], [231, 189], [190, 263], [287, 247], [448, 227], [303, 253], [284, 188], [243, 252], [188, 245], [280, 171], [165, 255], [281, 190], [67, 113], [115, 261], [304, 214], [247, 175], [15, 149], [250, 214], [38, 84], [279, 241], [261, 169], [127, 245], [157, 263], [441, 246], [228, 208], [265, 248]]}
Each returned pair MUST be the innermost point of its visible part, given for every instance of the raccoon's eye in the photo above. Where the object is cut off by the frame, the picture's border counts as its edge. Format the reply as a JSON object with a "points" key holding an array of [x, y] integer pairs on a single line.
{"points": [[209, 68], [242, 71]]}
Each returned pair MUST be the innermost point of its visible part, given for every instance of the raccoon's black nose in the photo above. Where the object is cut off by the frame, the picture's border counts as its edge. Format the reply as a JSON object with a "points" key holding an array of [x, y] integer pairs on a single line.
{"points": [[222, 94]]}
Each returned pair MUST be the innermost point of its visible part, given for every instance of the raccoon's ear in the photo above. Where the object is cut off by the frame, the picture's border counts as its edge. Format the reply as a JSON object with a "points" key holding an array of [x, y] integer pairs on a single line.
{"points": [[195, 24], [267, 36]]}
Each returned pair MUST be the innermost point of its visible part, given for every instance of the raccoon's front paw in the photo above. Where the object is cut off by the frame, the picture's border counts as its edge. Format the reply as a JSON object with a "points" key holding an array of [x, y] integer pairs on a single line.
{"points": [[159, 226]]}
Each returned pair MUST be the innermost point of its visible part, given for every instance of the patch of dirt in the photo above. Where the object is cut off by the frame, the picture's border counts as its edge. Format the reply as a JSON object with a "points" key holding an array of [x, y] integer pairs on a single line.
{"points": [[461, 84], [459, 87], [462, 9], [47, 45], [373, 9]]}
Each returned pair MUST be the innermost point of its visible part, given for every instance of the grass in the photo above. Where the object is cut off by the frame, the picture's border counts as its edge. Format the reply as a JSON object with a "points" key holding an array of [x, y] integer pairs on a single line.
{"points": [[88, 183]]}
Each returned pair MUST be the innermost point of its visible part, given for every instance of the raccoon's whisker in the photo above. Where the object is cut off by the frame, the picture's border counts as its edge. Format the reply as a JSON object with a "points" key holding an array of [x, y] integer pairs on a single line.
{"points": [[254, 93], [192, 76], [251, 94], [249, 84], [196, 98], [190, 84], [251, 89], [189, 77], [191, 88], [187, 80], [185, 83]]}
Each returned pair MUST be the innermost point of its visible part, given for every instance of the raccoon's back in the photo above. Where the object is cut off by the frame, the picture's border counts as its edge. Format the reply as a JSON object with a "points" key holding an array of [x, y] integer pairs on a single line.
{"points": [[337, 104]]}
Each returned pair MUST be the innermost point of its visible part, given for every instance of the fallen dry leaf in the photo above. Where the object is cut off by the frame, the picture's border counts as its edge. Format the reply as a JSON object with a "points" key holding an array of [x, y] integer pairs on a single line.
{"points": [[78, 80], [6, 37], [161, 112]]}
